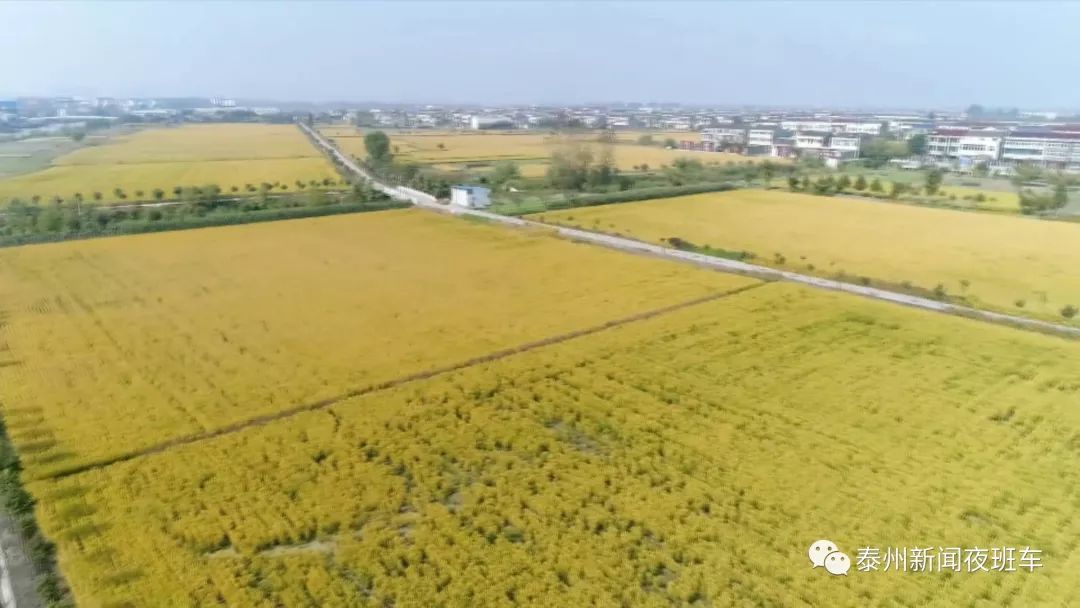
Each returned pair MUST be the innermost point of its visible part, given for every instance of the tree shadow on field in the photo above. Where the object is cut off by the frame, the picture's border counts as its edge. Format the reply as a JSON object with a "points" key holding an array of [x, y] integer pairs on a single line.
{"points": [[64, 493], [52, 457], [83, 531], [23, 411], [123, 577], [37, 446]]}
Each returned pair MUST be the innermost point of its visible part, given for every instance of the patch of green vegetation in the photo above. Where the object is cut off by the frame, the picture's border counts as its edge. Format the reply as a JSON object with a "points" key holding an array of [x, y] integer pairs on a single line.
{"points": [[716, 252], [38, 224]]}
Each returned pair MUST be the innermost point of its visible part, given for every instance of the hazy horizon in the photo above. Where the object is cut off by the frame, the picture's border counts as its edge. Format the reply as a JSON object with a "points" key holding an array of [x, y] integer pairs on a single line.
{"points": [[851, 55]]}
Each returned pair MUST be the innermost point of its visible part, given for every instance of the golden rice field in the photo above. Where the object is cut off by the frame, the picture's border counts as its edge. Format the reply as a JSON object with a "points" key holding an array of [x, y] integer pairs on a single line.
{"points": [[688, 459], [199, 143], [992, 260], [229, 155], [115, 345], [531, 150]]}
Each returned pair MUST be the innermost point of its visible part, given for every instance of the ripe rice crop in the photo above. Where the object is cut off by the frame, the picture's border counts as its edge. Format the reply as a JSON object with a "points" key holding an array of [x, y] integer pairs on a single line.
{"points": [[115, 345], [191, 143], [687, 459], [228, 155], [993, 261]]}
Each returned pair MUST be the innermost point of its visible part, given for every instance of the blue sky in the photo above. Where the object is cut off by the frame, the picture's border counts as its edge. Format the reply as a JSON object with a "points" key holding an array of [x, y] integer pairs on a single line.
{"points": [[852, 54]]}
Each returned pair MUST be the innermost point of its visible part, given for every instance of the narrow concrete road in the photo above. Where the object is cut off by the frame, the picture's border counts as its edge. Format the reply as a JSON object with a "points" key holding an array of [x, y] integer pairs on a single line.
{"points": [[427, 201], [400, 193], [18, 584]]}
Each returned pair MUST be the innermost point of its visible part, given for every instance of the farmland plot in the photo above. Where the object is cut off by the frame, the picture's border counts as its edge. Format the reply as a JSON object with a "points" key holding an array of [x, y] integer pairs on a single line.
{"points": [[1019, 265], [690, 458], [227, 155], [116, 345]]}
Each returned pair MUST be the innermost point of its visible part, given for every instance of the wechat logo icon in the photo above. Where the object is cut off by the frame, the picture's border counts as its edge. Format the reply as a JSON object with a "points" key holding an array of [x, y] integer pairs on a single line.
{"points": [[825, 554]]}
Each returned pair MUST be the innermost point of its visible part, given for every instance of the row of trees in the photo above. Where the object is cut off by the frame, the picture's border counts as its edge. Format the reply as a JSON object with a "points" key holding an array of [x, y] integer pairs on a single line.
{"points": [[380, 162], [576, 165], [877, 151], [829, 185], [1034, 202], [184, 192], [649, 140], [69, 217]]}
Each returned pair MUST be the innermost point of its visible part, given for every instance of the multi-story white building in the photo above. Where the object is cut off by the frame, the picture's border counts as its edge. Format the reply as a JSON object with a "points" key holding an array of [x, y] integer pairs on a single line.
{"points": [[724, 135], [849, 125], [964, 143], [760, 137], [806, 125], [1059, 149], [907, 130], [846, 144], [860, 127], [809, 140], [676, 124]]}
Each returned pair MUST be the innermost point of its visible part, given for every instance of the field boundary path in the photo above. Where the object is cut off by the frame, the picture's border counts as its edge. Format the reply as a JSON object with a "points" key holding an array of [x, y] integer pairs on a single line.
{"points": [[426, 201], [17, 580]]}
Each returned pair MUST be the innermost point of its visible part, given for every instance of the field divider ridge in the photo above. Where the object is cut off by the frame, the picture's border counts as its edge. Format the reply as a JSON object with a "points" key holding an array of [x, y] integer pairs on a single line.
{"points": [[395, 382]]}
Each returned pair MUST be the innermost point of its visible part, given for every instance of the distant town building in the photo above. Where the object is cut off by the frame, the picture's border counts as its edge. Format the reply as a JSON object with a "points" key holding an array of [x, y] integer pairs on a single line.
{"points": [[470, 197], [675, 124], [806, 125], [760, 137], [858, 127], [724, 135], [779, 143], [1058, 149], [1043, 115], [965, 143], [846, 145], [157, 113], [833, 125], [491, 122], [811, 140]]}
